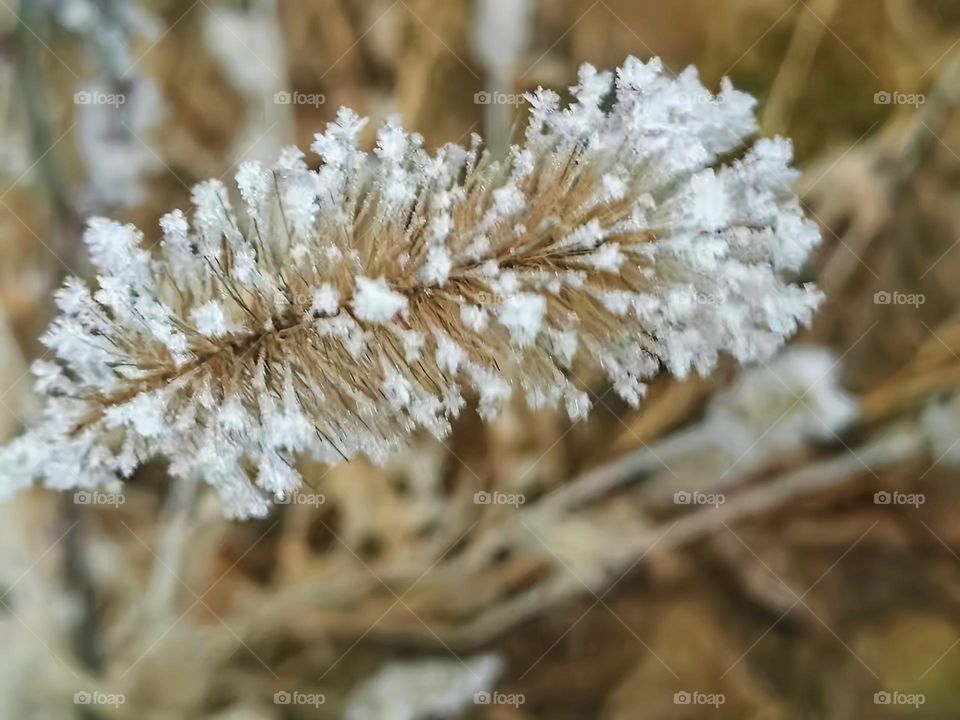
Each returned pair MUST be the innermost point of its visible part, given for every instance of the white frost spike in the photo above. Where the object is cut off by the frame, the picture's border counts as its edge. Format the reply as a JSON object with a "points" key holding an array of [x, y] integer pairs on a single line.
{"points": [[709, 204], [375, 302], [586, 236], [449, 354], [339, 310], [391, 143], [614, 188], [210, 320], [253, 181], [143, 414], [326, 301], [522, 315], [608, 258], [276, 476], [175, 229], [114, 248], [474, 317], [437, 269]]}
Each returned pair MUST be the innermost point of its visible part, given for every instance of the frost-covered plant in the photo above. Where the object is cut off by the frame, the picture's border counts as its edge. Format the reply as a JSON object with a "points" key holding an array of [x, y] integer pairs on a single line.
{"points": [[429, 688], [338, 310], [771, 407]]}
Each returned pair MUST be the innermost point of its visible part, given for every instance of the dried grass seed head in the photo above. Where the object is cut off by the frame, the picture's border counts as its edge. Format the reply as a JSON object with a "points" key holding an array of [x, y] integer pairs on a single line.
{"points": [[336, 311]]}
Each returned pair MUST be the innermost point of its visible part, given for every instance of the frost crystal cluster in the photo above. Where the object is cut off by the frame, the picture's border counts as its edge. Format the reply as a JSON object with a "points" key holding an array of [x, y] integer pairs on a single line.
{"points": [[334, 312]]}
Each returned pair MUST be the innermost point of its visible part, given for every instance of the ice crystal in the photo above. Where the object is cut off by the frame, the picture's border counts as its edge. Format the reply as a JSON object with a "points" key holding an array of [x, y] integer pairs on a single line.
{"points": [[338, 310]]}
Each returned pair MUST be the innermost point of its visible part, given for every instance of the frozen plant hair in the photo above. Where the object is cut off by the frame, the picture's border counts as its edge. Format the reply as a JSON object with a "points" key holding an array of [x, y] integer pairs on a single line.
{"points": [[334, 312]]}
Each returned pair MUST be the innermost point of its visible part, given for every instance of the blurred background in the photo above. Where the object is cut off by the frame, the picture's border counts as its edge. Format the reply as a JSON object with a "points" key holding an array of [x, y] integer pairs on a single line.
{"points": [[774, 543]]}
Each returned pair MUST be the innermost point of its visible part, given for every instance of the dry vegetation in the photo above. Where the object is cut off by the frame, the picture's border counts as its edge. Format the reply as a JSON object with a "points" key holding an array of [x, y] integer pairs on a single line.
{"points": [[799, 597]]}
